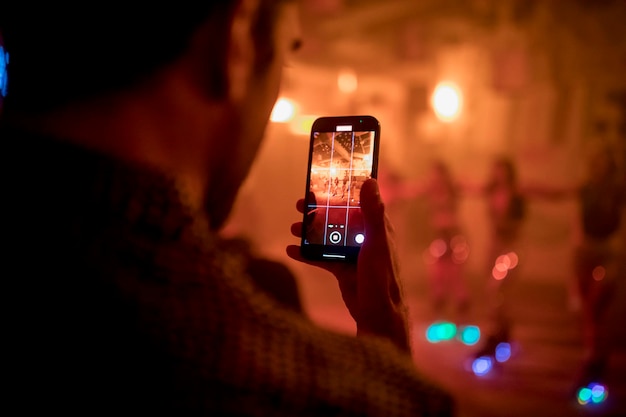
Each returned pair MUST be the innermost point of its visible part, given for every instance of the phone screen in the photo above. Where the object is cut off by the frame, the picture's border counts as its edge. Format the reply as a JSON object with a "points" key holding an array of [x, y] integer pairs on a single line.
{"points": [[343, 154]]}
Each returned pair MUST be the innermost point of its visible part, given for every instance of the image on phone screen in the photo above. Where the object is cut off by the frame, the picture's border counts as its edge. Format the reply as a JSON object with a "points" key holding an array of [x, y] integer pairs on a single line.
{"points": [[340, 162]]}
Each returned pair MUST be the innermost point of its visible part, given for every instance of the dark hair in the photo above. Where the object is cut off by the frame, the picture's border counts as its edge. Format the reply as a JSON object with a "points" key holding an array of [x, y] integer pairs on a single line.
{"points": [[66, 51]]}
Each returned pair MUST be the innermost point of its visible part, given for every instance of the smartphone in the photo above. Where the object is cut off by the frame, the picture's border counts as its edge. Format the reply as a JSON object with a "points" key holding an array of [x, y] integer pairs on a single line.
{"points": [[343, 154]]}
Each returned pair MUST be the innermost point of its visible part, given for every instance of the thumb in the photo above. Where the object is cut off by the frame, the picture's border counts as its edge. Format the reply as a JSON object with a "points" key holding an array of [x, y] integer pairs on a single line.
{"points": [[373, 208]]}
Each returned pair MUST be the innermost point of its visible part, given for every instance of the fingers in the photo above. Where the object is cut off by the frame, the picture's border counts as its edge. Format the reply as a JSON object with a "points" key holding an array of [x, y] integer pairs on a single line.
{"points": [[373, 208], [300, 205], [293, 251], [296, 229]]}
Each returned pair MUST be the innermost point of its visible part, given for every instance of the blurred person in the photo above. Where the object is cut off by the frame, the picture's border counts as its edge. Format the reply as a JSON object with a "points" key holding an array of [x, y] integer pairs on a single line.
{"points": [[506, 202], [121, 295], [601, 199], [598, 258], [448, 249]]}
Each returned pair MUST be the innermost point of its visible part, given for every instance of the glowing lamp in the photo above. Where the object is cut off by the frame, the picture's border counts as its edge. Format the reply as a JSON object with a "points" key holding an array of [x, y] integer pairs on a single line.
{"points": [[447, 101]]}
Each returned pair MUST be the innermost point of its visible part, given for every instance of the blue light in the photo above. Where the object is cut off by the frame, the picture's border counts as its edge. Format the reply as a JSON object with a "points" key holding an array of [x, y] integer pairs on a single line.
{"points": [[4, 61], [598, 393], [503, 352], [482, 365]]}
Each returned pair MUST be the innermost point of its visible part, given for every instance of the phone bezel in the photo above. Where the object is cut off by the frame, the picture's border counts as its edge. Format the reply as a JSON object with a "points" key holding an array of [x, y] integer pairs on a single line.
{"points": [[360, 123]]}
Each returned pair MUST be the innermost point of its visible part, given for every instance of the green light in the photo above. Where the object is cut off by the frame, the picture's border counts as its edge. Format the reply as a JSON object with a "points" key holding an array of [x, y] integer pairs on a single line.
{"points": [[584, 395], [447, 331]]}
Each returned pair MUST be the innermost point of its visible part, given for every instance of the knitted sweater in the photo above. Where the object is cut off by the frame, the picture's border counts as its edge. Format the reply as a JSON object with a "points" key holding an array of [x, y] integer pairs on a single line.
{"points": [[121, 301]]}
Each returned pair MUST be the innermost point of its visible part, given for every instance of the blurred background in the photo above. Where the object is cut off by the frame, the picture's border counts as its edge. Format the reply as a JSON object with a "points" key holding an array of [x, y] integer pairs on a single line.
{"points": [[463, 81]]}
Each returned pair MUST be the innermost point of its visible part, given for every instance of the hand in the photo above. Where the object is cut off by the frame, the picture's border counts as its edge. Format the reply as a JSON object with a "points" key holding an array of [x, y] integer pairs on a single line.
{"points": [[371, 289]]}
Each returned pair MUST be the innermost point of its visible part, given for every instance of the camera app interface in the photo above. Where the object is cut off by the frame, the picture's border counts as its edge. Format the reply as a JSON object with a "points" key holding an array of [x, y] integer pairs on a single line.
{"points": [[341, 162]]}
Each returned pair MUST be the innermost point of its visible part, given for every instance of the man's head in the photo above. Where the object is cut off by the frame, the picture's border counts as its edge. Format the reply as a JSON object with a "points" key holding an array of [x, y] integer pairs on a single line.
{"points": [[225, 55], [65, 51]]}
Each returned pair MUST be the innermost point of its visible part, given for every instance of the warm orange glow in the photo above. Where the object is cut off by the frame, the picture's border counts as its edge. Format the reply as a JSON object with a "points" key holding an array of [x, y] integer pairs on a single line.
{"points": [[301, 125], [429, 259], [447, 101], [284, 110], [347, 81]]}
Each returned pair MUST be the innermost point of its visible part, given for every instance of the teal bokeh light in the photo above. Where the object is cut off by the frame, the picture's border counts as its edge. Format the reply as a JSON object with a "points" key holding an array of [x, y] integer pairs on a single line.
{"points": [[440, 331], [470, 335], [584, 395]]}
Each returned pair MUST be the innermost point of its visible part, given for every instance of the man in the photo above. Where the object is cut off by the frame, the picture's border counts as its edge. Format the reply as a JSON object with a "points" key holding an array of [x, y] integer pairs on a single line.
{"points": [[128, 133]]}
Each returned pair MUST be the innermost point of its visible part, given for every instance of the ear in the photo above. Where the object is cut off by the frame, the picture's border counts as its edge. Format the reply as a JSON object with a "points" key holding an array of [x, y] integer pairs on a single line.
{"points": [[240, 56]]}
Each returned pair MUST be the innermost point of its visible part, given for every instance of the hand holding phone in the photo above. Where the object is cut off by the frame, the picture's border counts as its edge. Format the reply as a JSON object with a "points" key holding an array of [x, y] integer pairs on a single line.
{"points": [[370, 288], [343, 154], [347, 147]]}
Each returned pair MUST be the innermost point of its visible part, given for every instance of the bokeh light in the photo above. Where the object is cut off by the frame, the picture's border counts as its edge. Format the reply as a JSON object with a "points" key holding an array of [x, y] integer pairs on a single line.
{"points": [[482, 365], [599, 272], [503, 352], [504, 263], [440, 331], [497, 274], [4, 62], [513, 259], [470, 335], [447, 101], [460, 249], [598, 393], [594, 393], [584, 395], [284, 110], [347, 81], [438, 248]]}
